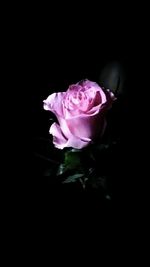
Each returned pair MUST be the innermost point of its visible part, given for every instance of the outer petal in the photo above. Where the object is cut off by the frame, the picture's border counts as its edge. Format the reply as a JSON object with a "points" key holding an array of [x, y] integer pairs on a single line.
{"points": [[64, 127], [58, 138], [86, 126], [105, 105], [60, 141], [71, 134], [54, 103], [86, 84], [78, 143]]}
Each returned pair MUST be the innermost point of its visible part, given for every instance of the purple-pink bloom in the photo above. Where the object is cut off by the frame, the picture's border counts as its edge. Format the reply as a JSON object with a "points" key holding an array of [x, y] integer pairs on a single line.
{"points": [[80, 112]]}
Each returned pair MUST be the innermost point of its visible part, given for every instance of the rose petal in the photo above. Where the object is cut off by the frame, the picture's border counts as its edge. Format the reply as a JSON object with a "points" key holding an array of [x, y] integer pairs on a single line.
{"points": [[61, 142], [86, 84], [54, 103], [77, 143], [58, 138], [86, 126]]}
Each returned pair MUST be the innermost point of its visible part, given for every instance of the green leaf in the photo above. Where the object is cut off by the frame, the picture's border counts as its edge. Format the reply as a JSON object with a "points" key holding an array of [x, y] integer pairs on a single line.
{"points": [[75, 150], [73, 178], [83, 182], [62, 169], [72, 160]]}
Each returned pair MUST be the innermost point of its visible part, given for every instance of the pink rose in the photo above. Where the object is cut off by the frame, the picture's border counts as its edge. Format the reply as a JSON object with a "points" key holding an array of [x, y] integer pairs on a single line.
{"points": [[80, 112]]}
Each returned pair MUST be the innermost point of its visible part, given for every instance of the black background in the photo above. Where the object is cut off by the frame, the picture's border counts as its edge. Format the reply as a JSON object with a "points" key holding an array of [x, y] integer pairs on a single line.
{"points": [[55, 51], [54, 66], [52, 50]]}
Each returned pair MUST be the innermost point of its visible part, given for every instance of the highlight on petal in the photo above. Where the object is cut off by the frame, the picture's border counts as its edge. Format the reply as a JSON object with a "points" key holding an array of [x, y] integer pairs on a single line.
{"points": [[48, 103], [59, 139], [86, 84], [78, 143], [54, 103], [86, 127]]}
